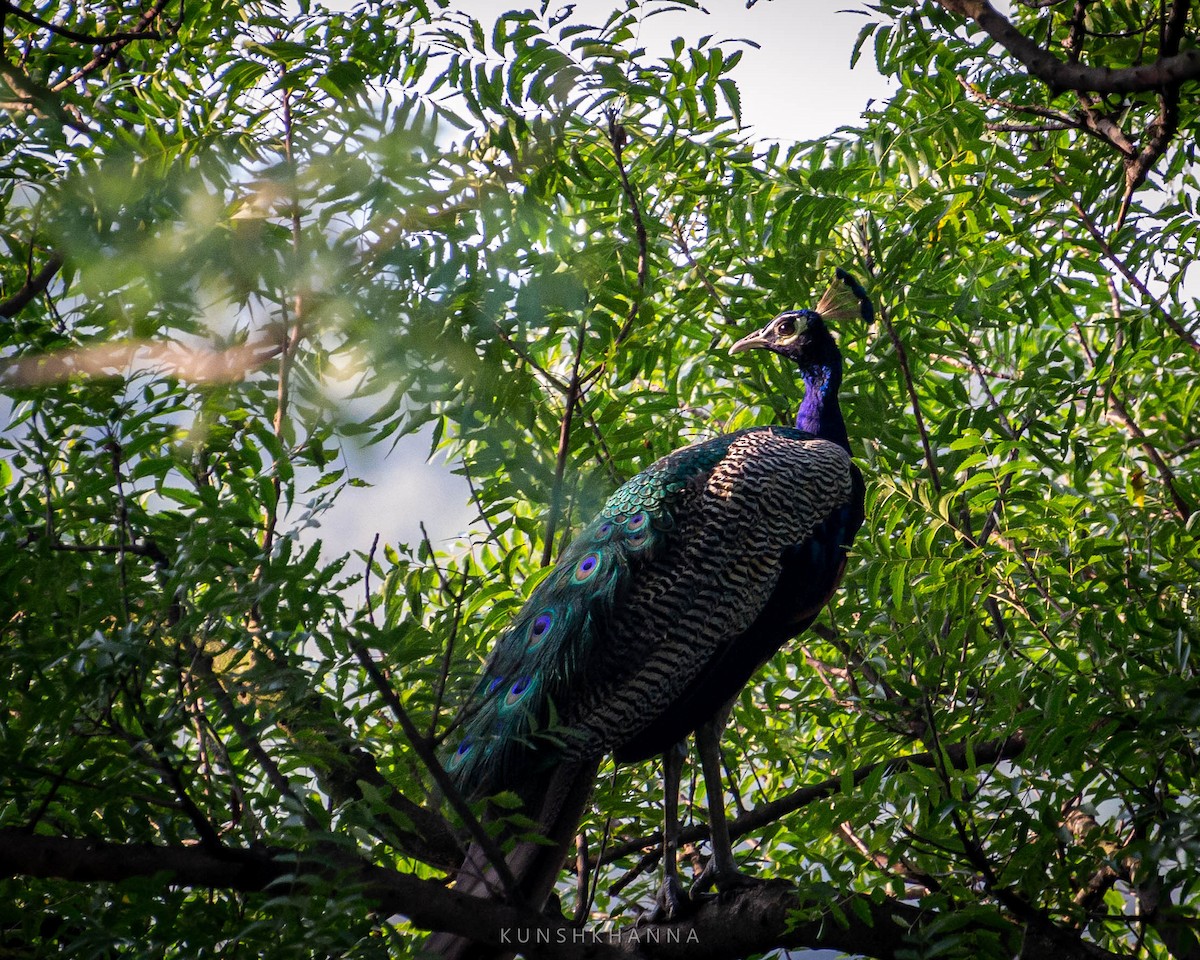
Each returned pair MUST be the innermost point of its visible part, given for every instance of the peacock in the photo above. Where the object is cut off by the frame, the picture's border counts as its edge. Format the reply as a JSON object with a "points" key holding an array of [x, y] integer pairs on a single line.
{"points": [[694, 573]]}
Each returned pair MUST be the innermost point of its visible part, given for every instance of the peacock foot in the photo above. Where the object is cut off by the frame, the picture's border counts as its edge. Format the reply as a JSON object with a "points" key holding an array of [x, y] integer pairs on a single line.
{"points": [[670, 903], [723, 879]]}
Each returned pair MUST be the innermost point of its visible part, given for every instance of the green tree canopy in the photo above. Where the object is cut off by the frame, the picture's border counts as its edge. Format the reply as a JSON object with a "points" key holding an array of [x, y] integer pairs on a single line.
{"points": [[237, 237]]}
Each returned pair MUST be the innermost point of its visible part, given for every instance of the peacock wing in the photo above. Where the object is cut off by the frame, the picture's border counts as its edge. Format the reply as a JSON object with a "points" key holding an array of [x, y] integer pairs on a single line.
{"points": [[733, 531], [538, 669]]}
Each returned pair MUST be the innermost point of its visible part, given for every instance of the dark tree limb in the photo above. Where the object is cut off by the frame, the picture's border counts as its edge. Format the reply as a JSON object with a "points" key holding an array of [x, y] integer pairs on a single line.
{"points": [[750, 921], [1169, 70], [34, 286], [427, 903]]}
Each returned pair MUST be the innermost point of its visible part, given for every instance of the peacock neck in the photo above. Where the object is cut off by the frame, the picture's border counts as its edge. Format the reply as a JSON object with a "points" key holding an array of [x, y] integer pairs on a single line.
{"points": [[820, 413]]}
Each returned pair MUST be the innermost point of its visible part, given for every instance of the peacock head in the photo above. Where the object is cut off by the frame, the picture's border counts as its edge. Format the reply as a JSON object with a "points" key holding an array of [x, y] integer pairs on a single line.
{"points": [[801, 335]]}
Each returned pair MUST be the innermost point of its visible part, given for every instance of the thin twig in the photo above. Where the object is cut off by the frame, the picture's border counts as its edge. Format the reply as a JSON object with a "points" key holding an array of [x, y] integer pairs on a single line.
{"points": [[93, 39], [564, 446], [115, 457], [291, 333], [618, 137], [367, 580], [150, 740], [475, 498], [1125, 270], [686, 250], [429, 759], [906, 372], [900, 868], [203, 664], [557, 382], [1121, 411], [439, 690]]}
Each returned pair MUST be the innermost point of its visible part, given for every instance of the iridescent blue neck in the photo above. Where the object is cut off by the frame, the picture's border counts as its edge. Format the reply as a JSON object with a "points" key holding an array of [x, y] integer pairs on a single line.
{"points": [[820, 414]]}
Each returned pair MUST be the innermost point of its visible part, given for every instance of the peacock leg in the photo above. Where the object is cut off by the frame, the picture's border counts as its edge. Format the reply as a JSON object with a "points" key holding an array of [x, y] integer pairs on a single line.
{"points": [[721, 871], [671, 901]]}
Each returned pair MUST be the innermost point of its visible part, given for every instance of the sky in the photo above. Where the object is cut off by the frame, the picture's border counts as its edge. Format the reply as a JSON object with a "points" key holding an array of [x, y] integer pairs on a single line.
{"points": [[797, 85]]}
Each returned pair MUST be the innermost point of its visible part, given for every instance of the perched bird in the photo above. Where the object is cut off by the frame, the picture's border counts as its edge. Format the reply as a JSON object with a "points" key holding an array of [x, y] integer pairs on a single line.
{"points": [[694, 573]]}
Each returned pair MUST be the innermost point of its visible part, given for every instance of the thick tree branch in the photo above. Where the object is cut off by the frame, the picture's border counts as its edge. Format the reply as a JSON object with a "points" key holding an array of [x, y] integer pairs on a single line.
{"points": [[1059, 75], [756, 920], [426, 903], [33, 287]]}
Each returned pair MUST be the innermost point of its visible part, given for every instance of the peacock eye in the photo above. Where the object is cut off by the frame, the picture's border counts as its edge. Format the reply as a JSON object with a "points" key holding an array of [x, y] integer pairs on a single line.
{"points": [[517, 691], [540, 627], [586, 567], [786, 327]]}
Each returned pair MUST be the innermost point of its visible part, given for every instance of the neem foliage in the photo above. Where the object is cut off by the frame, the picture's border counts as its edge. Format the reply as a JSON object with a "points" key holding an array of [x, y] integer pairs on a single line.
{"points": [[237, 237]]}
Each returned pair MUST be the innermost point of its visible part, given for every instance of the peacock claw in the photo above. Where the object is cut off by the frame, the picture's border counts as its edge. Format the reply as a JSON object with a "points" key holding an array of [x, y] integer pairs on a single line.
{"points": [[670, 903], [724, 880]]}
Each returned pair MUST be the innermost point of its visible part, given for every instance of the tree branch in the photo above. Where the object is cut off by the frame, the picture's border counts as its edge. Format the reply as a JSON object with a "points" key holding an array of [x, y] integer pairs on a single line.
{"points": [[427, 903], [1060, 75], [112, 44], [618, 137], [958, 754], [94, 39], [429, 759], [1126, 271], [756, 920], [570, 402], [33, 287], [193, 364]]}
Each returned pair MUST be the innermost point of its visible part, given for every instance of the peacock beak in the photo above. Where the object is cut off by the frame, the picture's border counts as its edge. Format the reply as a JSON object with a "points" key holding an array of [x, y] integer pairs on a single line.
{"points": [[756, 340]]}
